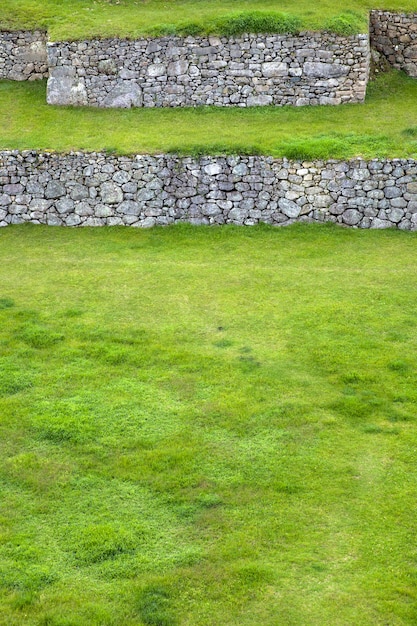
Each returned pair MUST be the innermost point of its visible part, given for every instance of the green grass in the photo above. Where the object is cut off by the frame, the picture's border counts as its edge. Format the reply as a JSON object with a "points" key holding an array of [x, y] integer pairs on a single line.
{"points": [[384, 126], [77, 19], [207, 426]]}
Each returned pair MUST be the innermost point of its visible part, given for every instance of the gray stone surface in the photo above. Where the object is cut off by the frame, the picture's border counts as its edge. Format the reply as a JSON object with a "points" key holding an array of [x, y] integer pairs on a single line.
{"points": [[395, 36], [92, 189], [324, 70], [65, 87], [23, 55], [251, 70]]}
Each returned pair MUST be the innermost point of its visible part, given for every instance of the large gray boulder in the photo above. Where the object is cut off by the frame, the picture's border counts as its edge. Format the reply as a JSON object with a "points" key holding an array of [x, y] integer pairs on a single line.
{"points": [[64, 87], [316, 69], [124, 95]]}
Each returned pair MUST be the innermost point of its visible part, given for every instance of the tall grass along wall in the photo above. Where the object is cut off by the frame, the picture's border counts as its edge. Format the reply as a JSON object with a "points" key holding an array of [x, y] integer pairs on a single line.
{"points": [[97, 189]]}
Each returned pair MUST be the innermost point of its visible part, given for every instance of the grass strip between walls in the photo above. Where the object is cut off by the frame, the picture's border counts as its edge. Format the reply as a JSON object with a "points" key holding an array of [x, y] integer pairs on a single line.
{"points": [[384, 126]]}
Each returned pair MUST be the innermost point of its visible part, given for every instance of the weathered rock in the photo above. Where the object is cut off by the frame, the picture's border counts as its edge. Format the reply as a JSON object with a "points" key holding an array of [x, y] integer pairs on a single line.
{"points": [[83, 209], [324, 70], [212, 169], [392, 192], [156, 69], [148, 222], [73, 220], [289, 208], [54, 189], [129, 207], [40, 205], [241, 169], [64, 87], [54, 220], [178, 68], [65, 205], [380, 224], [351, 217], [274, 68], [111, 193], [103, 210], [412, 187], [238, 215], [107, 66], [13, 189], [395, 215], [79, 192], [5, 199], [124, 95], [259, 101]]}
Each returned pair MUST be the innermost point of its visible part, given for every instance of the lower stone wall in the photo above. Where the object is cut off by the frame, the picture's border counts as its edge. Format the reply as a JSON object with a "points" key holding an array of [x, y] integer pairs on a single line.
{"points": [[395, 36], [23, 55], [94, 189]]}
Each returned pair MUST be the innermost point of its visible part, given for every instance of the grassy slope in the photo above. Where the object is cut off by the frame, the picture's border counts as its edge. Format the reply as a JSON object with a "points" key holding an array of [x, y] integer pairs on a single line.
{"points": [[207, 427], [85, 18], [384, 126]]}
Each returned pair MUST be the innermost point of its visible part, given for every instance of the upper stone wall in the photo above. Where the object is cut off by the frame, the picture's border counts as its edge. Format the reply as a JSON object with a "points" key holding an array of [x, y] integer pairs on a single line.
{"points": [[23, 55], [395, 36], [307, 69]]}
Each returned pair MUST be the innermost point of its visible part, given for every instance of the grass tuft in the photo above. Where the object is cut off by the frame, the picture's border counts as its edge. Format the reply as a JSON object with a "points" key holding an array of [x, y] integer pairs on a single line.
{"points": [[38, 335], [12, 379], [6, 303], [257, 22], [100, 542], [347, 23], [410, 132], [233, 25], [219, 149], [154, 606]]}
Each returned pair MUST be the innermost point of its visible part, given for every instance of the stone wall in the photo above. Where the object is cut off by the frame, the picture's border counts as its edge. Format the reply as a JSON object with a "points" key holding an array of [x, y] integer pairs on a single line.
{"points": [[307, 69], [94, 189], [23, 55], [395, 36]]}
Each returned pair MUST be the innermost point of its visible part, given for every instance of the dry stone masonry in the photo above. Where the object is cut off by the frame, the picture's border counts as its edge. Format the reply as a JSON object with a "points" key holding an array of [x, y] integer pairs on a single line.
{"points": [[307, 69], [23, 55], [94, 189], [395, 36]]}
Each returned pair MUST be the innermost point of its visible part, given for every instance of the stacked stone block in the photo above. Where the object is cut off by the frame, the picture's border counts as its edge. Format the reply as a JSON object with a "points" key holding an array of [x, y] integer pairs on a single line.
{"points": [[23, 55], [395, 36]]}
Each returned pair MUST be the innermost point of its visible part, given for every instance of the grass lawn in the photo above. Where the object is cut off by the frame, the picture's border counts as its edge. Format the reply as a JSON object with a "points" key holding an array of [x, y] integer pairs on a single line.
{"points": [[208, 426], [77, 19], [386, 125]]}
